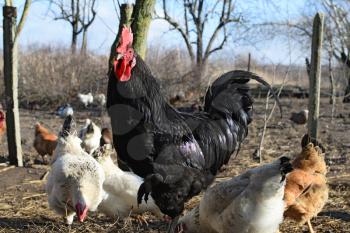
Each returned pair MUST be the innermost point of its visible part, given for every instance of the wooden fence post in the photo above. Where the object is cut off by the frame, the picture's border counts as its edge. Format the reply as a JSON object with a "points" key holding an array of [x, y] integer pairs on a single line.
{"points": [[11, 85], [248, 68], [315, 76]]}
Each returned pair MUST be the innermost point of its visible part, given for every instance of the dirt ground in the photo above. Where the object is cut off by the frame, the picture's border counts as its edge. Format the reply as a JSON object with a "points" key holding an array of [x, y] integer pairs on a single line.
{"points": [[23, 202]]}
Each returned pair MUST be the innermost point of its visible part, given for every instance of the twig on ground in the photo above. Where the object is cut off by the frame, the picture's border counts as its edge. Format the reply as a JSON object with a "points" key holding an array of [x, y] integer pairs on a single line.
{"points": [[7, 168], [34, 196]]}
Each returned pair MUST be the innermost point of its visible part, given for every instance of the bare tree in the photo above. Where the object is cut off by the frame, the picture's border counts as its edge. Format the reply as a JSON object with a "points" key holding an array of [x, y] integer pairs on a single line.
{"points": [[197, 14], [88, 16], [337, 30], [80, 14]]}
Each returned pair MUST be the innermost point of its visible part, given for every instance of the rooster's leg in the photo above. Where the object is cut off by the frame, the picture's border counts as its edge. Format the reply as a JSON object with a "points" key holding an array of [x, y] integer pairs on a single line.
{"points": [[310, 226]]}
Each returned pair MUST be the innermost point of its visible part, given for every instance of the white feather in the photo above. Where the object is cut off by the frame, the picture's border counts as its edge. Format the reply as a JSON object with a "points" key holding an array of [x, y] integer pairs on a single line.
{"points": [[86, 99], [121, 189]]}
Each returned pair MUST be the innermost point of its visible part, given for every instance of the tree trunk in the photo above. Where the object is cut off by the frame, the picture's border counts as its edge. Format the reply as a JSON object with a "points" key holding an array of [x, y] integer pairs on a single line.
{"points": [[74, 43], [347, 91], [331, 80], [84, 43], [75, 22], [142, 16], [200, 71], [125, 19], [344, 58]]}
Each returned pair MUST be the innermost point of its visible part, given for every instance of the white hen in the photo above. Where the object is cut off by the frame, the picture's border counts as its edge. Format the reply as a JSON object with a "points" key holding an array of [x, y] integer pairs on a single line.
{"points": [[75, 182], [249, 203], [121, 188], [90, 135], [101, 99], [86, 99]]}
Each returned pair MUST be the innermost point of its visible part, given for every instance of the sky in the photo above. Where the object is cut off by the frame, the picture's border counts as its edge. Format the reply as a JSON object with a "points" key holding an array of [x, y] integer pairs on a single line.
{"points": [[40, 28]]}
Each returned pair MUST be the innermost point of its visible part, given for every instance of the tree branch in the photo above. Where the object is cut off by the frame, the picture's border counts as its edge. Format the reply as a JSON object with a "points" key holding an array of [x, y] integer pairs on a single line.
{"points": [[84, 24], [23, 18], [219, 47], [225, 19], [177, 26]]}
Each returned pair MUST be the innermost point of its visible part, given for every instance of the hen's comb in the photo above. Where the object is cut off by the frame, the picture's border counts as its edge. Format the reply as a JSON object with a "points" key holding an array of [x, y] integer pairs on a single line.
{"points": [[126, 39]]}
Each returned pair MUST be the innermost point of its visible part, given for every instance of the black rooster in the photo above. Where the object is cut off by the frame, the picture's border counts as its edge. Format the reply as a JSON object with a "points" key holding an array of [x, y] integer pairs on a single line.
{"points": [[177, 153]]}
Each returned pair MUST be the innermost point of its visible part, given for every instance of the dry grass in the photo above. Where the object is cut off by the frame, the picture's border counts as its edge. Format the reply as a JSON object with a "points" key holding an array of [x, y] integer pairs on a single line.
{"points": [[53, 76]]}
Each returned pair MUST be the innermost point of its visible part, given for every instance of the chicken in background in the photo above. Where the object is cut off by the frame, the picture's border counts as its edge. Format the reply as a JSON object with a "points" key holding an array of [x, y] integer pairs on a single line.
{"points": [[65, 110], [75, 182], [306, 190], [301, 117], [121, 189], [178, 154], [45, 142], [101, 99], [251, 202], [86, 99], [2, 123], [106, 137], [90, 135]]}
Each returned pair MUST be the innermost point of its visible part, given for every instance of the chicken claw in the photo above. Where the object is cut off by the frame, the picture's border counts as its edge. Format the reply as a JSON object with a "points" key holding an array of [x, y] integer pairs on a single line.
{"points": [[140, 219], [180, 228]]}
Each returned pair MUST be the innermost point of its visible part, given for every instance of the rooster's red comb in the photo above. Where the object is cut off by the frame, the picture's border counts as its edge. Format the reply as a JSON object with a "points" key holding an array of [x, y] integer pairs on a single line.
{"points": [[126, 39]]}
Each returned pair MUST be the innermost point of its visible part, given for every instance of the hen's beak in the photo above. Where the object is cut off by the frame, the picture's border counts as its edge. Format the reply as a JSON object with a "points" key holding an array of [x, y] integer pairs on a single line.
{"points": [[81, 211]]}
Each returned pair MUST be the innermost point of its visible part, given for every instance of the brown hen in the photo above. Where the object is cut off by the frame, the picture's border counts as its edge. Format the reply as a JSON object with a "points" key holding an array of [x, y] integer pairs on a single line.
{"points": [[2, 123], [306, 190], [45, 142]]}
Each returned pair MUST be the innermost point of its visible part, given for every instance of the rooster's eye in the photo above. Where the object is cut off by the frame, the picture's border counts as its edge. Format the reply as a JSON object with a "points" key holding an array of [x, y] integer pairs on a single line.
{"points": [[178, 196]]}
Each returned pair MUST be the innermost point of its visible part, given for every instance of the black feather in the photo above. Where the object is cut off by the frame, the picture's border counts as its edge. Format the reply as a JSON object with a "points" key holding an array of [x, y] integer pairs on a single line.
{"points": [[67, 126]]}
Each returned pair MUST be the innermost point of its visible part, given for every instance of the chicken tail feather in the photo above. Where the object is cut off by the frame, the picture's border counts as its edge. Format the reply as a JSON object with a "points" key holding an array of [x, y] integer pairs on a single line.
{"points": [[229, 94]]}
